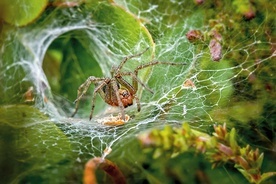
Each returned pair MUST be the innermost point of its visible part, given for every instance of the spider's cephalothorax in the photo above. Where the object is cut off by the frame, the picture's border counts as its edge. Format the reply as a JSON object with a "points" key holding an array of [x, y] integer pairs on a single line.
{"points": [[116, 91], [126, 97]]}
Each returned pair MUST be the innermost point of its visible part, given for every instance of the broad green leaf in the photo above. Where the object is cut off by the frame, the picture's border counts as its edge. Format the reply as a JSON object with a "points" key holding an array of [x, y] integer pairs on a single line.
{"points": [[126, 27], [31, 145], [22, 12]]}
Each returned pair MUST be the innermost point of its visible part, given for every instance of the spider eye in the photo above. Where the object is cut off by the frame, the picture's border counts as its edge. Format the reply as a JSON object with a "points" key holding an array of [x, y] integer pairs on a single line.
{"points": [[125, 93]]}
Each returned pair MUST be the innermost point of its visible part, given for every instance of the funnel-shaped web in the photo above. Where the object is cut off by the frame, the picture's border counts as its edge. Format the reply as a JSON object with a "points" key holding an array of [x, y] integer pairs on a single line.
{"points": [[44, 63]]}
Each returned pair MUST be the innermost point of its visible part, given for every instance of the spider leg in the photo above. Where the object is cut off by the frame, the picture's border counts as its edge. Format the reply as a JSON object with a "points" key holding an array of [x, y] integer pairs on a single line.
{"points": [[135, 75], [83, 89], [155, 63], [129, 57], [97, 89], [135, 80], [138, 103], [124, 83], [116, 90]]}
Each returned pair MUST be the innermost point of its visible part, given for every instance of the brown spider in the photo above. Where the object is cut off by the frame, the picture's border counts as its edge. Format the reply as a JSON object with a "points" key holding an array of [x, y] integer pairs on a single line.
{"points": [[116, 91]]}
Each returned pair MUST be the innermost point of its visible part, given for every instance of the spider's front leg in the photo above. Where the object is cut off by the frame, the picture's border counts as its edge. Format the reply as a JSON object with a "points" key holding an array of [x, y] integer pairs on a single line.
{"points": [[135, 79], [118, 94], [83, 89], [98, 89], [117, 70]]}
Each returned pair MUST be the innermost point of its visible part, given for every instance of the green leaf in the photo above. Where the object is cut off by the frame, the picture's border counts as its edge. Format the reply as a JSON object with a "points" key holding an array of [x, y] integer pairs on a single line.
{"points": [[259, 161], [266, 176], [126, 28], [233, 141], [22, 12], [29, 147]]}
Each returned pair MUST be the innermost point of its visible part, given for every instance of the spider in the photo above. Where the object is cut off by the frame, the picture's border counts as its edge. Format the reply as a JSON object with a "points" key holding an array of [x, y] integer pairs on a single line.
{"points": [[116, 91]]}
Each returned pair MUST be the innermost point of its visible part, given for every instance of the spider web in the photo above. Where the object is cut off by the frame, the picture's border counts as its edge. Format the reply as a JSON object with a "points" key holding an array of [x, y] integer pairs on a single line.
{"points": [[198, 92]]}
